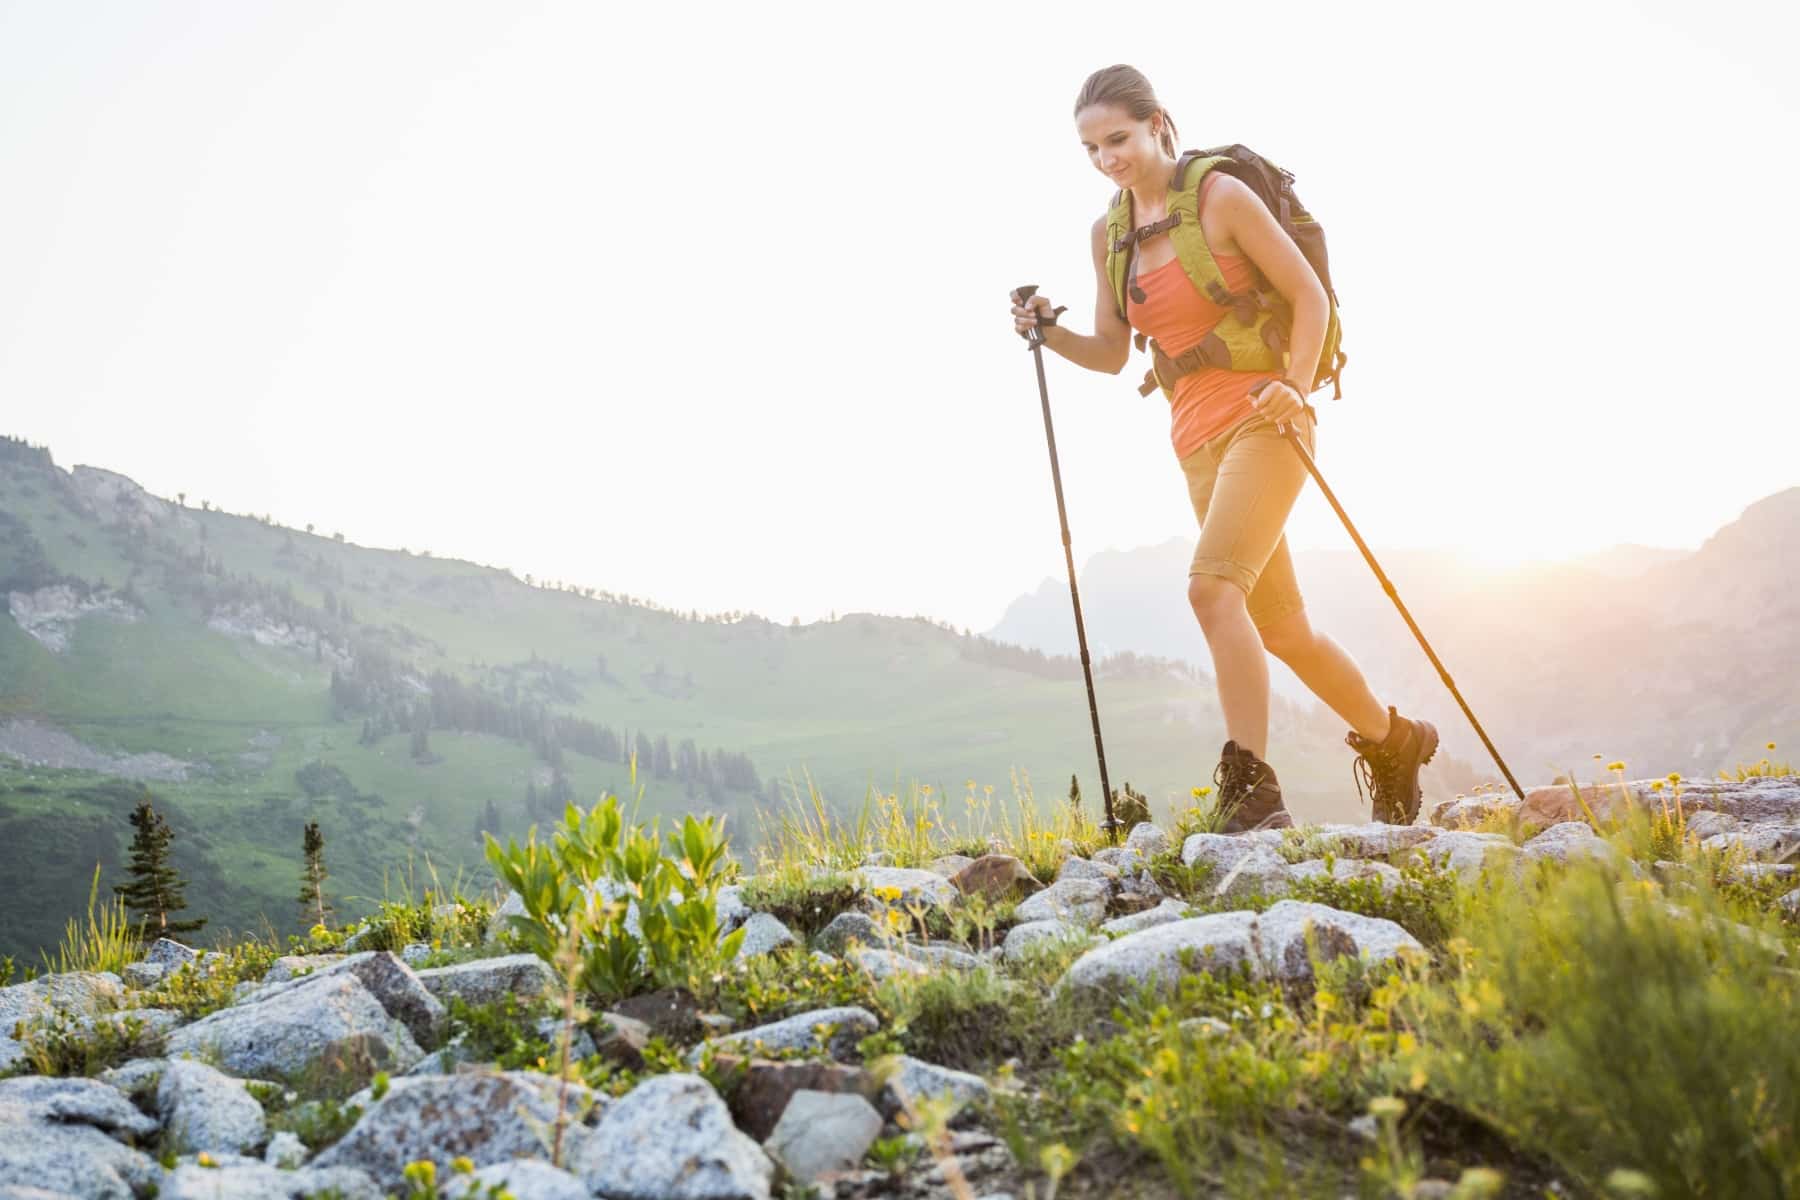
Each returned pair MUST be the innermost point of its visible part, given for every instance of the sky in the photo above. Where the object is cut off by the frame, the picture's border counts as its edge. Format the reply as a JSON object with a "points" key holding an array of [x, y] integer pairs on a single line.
{"points": [[707, 304]]}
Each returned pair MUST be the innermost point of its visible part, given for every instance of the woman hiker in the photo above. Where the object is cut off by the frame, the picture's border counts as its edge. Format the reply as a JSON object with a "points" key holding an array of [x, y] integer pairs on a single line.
{"points": [[1228, 429]]}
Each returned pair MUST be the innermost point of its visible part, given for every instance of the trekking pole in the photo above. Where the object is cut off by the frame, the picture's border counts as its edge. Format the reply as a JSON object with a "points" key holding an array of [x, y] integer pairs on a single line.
{"points": [[1293, 438], [1034, 337]]}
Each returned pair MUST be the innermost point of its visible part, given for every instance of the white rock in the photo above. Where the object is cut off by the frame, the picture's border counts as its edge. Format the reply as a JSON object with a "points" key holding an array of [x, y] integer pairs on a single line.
{"points": [[240, 1180], [56, 1135], [1165, 913], [1147, 839], [1345, 869], [1081, 868], [525, 1178], [1240, 866], [486, 980], [763, 933], [1372, 839], [285, 1151], [203, 1109], [1567, 840], [1021, 939], [1082, 901], [1467, 852], [295, 1032], [823, 1132], [1771, 842], [1281, 938], [917, 1079], [671, 1138], [914, 886], [799, 1033], [885, 964], [1221, 942]]}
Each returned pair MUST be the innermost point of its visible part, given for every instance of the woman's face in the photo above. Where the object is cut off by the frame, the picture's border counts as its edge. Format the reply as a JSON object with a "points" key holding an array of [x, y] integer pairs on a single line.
{"points": [[1120, 146]]}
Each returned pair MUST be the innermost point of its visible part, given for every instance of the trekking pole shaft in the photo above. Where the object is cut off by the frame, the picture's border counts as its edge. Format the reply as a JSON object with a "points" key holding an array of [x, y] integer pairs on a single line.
{"points": [[1387, 586], [1037, 357]]}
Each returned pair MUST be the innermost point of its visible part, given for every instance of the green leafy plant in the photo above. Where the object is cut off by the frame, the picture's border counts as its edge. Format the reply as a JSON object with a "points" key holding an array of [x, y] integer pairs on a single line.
{"points": [[650, 916]]}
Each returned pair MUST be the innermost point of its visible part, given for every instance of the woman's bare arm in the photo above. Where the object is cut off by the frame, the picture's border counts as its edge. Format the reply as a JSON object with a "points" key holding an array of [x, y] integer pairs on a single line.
{"points": [[1108, 348], [1254, 229]]}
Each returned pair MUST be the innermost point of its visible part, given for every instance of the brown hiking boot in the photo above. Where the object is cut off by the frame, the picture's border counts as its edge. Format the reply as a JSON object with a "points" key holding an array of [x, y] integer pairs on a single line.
{"points": [[1391, 767], [1249, 793]]}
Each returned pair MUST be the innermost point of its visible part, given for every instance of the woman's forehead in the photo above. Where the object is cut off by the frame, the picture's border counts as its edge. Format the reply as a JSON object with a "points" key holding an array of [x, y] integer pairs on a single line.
{"points": [[1097, 120]]}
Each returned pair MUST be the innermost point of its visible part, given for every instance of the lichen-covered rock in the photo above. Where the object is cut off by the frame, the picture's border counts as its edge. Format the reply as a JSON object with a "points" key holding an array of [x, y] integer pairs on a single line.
{"points": [[234, 1180], [882, 964], [1373, 839], [913, 886], [1220, 943], [490, 1117], [851, 1025], [523, 1178], [1126, 858], [485, 980], [202, 1109], [948, 865], [1569, 840], [1147, 839], [1281, 938], [1081, 901], [1083, 868], [915, 1079], [763, 933], [1240, 866], [1774, 843], [58, 1135], [330, 1026], [847, 927], [1346, 869], [671, 1138], [1165, 913], [823, 1132], [394, 984], [1466, 852], [1022, 937]]}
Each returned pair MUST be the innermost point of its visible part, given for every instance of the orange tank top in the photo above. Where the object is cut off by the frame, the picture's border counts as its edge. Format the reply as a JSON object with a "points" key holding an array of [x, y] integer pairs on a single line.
{"points": [[1211, 400]]}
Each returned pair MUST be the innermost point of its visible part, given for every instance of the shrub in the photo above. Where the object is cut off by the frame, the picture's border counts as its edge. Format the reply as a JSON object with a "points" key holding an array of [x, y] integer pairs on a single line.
{"points": [[677, 941], [1617, 1029]]}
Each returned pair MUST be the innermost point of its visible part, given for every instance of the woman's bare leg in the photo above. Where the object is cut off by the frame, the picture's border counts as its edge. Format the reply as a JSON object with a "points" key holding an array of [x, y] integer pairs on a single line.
{"points": [[1238, 662], [1326, 668]]}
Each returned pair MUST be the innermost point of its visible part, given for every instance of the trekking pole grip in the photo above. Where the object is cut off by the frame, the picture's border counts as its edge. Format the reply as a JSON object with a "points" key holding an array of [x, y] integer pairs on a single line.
{"points": [[1035, 336]]}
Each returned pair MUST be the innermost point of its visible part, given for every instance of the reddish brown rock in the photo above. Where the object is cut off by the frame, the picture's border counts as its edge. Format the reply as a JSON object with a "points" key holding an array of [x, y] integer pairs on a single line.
{"points": [[757, 1090], [996, 876], [621, 1039]]}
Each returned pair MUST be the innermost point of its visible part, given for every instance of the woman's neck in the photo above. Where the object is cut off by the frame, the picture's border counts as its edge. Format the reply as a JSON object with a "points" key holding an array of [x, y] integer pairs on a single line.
{"points": [[1154, 196]]}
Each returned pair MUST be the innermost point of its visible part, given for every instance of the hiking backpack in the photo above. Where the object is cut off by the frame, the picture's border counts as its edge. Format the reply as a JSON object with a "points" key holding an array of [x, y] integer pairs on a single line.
{"points": [[1254, 334]]}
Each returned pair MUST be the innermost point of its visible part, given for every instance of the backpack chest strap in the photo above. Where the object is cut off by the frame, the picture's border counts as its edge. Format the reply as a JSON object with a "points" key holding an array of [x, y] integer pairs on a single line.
{"points": [[1128, 243]]}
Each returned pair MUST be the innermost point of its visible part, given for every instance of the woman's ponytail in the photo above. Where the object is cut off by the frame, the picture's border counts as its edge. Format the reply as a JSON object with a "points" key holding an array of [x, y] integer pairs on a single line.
{"points": [[1126, 87]]}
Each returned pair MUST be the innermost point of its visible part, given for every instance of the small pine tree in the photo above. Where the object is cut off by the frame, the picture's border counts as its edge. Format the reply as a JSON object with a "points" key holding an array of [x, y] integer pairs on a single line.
{"points": [[155, 889], [313, 905], [1074, 792]]}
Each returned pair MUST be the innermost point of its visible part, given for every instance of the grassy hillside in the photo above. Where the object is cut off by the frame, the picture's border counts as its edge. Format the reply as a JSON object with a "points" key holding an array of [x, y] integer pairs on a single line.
{"points": [[248, 651]]}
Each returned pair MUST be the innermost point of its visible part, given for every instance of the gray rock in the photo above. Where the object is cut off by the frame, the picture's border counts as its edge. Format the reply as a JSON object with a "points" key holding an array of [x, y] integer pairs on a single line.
{"points": [[1372, 839], [931, 954], [914, 1078], [798, 1033], [1081, 868], [1281, 938], [1081, 901], [166, 952], [1126, 858], [581, 1043], [1472, 810], [1240, 866], [730, 907], [137, 1078], [763, 933], [1165, 913], [1770, 842], [525, 1178], [1271, 945], [846, 927], [486, 980], [949, 864], [285, 1151], [823, 1132], [414, 953], [1466, 852], [1345, 869], [671, 1138], [1790, 903], [1705, 823], [490, 1117], [886, 964], [330, 1025], [54, 1136], [446, 1058], [1021, 938], [915, 887], [1147, 839], [202, 1109], [395, 986], [298, 966], [143, 974], [1565, 841], [259, 1181], [1221, 942], [82, 993]]}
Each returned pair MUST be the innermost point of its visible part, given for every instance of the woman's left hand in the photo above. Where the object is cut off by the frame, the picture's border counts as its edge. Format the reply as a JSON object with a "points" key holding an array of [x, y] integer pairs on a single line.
{"points": [[1279, 401]]}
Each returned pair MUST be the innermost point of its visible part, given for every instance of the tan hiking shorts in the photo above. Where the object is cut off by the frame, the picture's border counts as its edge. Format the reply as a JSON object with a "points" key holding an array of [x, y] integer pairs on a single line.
{"points": [[1243, 484]]}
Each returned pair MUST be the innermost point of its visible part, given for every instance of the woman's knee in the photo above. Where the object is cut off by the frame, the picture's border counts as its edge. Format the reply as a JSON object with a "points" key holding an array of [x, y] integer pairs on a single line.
{"points": [[1214, 598]]}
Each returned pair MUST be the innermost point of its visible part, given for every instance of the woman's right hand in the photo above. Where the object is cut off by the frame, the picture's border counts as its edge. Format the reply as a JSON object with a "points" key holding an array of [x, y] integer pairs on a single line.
{"points": [[1025, 316]]}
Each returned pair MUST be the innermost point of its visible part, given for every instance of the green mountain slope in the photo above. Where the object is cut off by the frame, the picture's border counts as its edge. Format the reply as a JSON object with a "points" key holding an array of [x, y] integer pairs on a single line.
{"points": [[257, 677]]}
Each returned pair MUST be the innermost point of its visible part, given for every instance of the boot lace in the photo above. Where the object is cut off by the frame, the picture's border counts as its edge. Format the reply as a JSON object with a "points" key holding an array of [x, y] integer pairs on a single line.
{"points": [[1382, 775], [1235, 779]]}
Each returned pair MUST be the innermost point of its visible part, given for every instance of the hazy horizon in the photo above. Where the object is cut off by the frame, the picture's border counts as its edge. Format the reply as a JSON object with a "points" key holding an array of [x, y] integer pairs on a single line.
{"points": [[575, 291]]}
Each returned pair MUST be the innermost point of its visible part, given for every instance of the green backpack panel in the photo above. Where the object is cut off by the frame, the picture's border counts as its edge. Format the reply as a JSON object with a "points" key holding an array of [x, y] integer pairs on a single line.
{"points": [[1254, 334]]}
